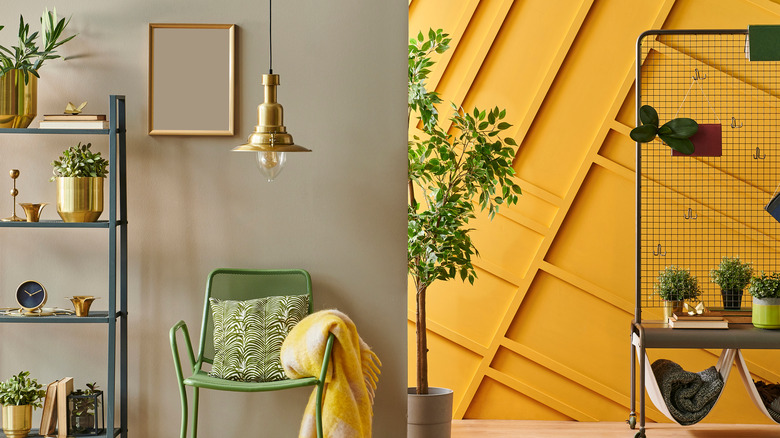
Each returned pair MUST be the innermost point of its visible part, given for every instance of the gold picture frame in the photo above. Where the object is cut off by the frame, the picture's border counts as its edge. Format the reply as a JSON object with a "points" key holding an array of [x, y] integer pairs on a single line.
{"points": [[191, 79]]}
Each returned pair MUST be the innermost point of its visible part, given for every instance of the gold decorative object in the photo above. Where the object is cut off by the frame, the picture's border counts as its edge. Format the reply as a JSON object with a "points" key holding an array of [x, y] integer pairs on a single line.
{"points": [[17, 421], [18, 100], [79, 199], [73, 109], [270, 139], [14, 174], [33, 211], [81, 303]]}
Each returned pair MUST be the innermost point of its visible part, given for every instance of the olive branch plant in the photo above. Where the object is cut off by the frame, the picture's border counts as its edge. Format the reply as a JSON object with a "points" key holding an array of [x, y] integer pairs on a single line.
{"points": [[453, 169], [28, 56]]}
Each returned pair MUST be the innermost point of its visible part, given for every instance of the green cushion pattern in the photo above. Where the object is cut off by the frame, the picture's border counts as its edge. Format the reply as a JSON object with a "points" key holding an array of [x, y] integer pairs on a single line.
{"points": [[248, 336]]}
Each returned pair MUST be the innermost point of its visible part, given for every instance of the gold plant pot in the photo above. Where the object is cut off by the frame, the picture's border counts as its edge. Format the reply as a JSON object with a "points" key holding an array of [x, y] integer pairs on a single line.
{"points": [[79, 199], [671, 307], [81, 304], [18, 100], [17, 421]]}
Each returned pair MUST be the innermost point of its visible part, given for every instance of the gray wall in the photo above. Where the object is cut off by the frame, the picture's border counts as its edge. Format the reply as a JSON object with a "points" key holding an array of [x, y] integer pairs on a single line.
{"points": [[194, 206]]}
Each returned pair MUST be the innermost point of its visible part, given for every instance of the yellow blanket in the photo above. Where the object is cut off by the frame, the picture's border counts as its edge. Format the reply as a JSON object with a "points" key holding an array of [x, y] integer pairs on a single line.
{"points": [[352, 374]]}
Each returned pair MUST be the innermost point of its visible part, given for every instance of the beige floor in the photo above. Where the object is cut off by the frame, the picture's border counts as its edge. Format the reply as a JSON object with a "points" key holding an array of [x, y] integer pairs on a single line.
{"points": [[562, 429]]}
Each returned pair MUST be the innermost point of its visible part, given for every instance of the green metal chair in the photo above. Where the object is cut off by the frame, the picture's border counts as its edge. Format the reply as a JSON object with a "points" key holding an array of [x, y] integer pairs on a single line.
{"points": [[240, 284]]}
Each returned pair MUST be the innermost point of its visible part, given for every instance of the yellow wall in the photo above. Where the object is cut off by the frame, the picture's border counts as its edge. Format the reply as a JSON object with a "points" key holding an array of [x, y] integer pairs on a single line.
{"points": [[544, 332]]}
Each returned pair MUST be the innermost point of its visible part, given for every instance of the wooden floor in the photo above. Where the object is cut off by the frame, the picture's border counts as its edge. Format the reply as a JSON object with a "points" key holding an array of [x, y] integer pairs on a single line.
{"points": [[562, 429]]}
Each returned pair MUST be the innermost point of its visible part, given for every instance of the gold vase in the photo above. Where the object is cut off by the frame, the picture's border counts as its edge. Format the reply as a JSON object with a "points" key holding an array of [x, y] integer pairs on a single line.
{"points": [[17, 421], [18, 100], [80, 199]]}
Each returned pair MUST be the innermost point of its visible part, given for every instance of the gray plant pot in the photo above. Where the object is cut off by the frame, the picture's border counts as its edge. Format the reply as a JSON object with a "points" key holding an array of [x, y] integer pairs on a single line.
{"points": [[429, 415]]}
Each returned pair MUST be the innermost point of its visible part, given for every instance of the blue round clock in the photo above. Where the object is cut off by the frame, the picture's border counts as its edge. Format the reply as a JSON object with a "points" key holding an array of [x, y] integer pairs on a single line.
{"points": [[31, 295]]}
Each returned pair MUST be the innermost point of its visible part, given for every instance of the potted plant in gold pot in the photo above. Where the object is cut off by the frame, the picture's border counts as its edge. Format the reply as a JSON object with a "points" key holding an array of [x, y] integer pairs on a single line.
{"points": [[80, 173], [732, 275], [19, 67], [19, 395], [454, 168], [675, 285], [765, 290]]}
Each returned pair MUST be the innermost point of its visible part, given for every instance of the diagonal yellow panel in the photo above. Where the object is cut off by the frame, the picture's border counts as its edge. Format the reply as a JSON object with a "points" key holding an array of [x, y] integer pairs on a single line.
{"points": [[508, 60], [583, 92], [514, 252], [497, 401], [599, 221], [471, 312], [721, 14], [585, 403], [574, 328]]}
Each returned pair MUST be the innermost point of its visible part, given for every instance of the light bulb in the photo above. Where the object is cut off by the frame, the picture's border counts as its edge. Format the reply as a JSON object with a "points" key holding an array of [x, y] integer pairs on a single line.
{"points": [[271, 163]]}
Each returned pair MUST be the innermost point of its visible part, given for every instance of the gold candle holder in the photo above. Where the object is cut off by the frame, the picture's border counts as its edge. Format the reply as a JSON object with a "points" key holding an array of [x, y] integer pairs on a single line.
{"points": [[33, 211], [14, 174], [81, 303]]}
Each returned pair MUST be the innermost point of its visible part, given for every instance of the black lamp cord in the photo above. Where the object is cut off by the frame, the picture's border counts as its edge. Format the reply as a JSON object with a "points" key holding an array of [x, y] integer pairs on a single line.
{"points": [[270, 40]]}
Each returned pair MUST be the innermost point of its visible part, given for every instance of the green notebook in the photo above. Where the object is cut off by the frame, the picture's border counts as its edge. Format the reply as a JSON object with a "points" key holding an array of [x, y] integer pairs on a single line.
{"points": [[763, 42]]}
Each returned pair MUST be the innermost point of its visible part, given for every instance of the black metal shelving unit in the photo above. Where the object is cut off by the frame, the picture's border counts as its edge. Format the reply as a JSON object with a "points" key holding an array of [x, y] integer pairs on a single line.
{"points": [[691, 211], [116, 316]]}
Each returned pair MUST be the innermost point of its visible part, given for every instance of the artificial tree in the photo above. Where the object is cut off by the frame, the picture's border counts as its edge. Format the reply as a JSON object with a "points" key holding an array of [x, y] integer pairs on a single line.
{"points": [[453, 170]]}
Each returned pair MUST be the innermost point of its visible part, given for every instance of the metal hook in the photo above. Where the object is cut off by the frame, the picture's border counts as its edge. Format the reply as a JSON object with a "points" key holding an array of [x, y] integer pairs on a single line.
{"points": [[658, 252], [690, 215], [696, 75], [734, 123], [757, 155]]}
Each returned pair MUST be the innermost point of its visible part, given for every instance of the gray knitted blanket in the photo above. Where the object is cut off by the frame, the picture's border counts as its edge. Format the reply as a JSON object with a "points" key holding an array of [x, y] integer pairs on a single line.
{"points": [[689, 396]]}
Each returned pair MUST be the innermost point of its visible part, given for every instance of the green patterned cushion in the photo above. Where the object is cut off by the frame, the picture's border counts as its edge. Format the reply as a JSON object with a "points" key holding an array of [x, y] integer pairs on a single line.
{"points": [[248, 336]]}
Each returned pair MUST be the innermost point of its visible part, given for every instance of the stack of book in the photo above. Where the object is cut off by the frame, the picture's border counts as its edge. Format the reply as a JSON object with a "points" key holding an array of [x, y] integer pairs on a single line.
{"points": [[74, 121], [55, 408], [680, 321]]}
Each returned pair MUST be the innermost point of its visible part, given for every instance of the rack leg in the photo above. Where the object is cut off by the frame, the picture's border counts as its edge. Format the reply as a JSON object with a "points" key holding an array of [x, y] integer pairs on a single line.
{"points": [[641, 432], [632, 415]]}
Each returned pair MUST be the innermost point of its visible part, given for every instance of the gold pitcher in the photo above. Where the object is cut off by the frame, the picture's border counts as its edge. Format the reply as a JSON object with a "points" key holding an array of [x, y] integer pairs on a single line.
{"points": [[18, 100], [17, 421], [80, 199]]}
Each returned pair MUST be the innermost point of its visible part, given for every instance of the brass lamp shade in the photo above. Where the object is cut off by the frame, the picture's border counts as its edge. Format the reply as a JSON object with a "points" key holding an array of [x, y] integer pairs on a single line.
{"points": [[270, 133]]}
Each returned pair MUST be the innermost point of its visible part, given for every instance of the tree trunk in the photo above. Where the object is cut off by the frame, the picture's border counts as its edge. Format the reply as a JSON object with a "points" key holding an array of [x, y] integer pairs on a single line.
{"points": [[422, 342]]}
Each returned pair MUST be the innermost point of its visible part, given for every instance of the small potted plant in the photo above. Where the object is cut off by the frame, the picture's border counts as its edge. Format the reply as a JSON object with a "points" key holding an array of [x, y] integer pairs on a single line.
{"points": [[19, 67], [732, 275], [674, 286], [79, 173], [83, 405], [765, 290], [19, 395]]}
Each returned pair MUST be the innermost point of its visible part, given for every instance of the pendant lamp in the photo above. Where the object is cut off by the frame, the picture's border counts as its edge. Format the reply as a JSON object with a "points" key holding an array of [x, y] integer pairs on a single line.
{"points": [[270, 141]]}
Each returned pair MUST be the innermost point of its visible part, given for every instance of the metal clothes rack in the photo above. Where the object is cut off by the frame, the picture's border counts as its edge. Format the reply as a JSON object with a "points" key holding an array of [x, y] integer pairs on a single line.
{"points": [[692, 211]]}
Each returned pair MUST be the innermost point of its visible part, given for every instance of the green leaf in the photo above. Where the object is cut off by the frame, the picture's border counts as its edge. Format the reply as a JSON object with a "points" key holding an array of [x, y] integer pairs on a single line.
{"points": [[643, 133], [648, 115], [510, 141], [503, 125], [682, 127], [681, 145]]}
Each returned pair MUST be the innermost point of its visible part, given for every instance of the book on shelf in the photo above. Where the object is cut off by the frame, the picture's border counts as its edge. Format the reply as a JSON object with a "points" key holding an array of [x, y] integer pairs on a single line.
{"points": [[48, 419], [64, 388], [72, 117], [686, 317], [76, 124], [698, 324]]}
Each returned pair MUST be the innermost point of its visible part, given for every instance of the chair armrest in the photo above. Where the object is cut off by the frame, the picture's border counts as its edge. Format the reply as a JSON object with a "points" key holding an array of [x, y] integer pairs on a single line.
{"points": [[326, 358], [181, 325]]}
